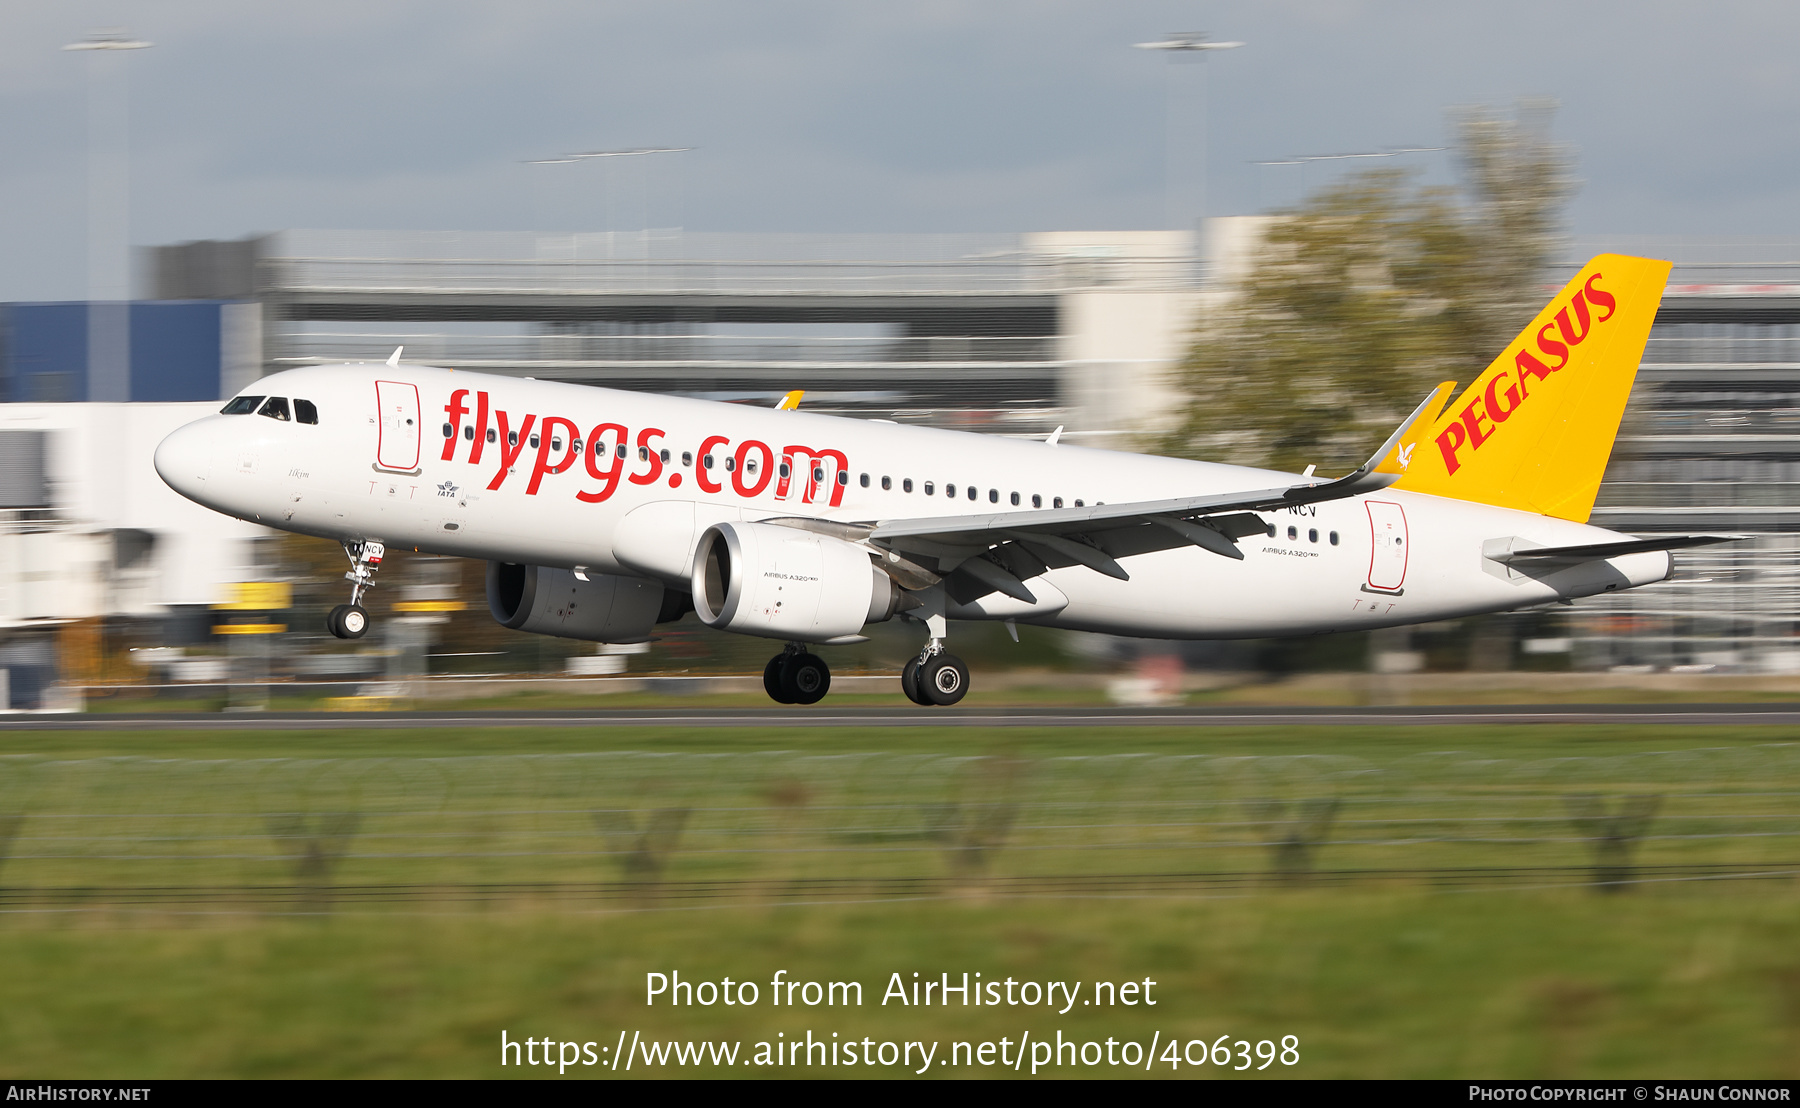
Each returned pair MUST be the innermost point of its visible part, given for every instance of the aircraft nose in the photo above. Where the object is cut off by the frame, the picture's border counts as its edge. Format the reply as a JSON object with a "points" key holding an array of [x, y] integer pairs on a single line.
{"points": [[184, 460]]}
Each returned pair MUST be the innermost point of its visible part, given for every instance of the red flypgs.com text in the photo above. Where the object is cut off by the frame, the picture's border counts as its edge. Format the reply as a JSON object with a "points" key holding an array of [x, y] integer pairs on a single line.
{"points": [[1510, 389], [605, 452]]}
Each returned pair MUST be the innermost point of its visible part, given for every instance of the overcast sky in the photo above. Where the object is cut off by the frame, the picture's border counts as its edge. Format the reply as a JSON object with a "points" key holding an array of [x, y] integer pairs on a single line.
{"points": [[981, 115]]}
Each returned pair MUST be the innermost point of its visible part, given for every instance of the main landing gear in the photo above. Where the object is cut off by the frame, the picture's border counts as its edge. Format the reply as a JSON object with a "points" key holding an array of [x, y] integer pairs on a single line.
{"points": [[351, 621], [935, 677], [796, 677]]}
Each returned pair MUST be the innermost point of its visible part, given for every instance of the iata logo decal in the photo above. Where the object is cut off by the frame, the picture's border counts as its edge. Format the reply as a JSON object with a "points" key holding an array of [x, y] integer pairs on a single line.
{"points": [[448, 488], [1511, 388]]}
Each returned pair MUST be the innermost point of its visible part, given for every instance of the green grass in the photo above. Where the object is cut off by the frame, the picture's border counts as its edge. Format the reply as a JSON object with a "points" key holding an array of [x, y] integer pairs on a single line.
{"points": [[934, 828], [1375, 984]]}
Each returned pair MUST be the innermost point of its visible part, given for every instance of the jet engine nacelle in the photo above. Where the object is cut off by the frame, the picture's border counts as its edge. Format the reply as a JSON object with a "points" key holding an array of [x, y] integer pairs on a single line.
{"points": [[784, 583], [603, 608]]}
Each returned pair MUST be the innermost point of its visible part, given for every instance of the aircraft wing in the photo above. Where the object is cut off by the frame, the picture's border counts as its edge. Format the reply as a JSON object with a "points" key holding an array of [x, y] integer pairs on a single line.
{"points": [[997, 552], [1599, 550], [1177, 515]]}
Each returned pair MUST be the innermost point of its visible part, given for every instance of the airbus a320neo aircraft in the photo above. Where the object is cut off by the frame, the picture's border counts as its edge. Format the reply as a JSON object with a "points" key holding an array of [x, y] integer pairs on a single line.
{"points": [[603, 513]]}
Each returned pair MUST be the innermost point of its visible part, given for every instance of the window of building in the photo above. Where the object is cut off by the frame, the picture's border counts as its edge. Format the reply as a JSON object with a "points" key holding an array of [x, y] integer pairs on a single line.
{"points": [[275, 408], [305, 412], [241, 405]]}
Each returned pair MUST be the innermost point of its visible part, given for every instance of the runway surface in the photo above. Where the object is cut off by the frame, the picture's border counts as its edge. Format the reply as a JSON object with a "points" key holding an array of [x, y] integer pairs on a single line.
{"points": [[1680, 715]]}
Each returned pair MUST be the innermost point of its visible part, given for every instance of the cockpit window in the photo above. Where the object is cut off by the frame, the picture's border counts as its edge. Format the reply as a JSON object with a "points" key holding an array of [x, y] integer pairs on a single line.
{"points": [[305, 412], [241, 405], [275, 408]]}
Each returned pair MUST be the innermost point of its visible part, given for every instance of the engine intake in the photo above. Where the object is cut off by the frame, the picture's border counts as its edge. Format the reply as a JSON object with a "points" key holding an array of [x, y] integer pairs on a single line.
{"points": [[783, 583], [603, 608]]}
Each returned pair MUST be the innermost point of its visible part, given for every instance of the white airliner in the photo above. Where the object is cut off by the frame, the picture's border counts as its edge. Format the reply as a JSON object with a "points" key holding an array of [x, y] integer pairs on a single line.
{"points": [[603, 513]]}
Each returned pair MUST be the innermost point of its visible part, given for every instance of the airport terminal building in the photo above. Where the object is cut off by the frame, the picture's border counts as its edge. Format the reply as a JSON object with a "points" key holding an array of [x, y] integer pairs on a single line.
{"points": [[1005, 334]]}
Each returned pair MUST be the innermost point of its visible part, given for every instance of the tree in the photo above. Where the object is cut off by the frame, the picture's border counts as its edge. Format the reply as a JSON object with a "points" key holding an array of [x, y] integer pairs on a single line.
{"points": [[1371, 293]]}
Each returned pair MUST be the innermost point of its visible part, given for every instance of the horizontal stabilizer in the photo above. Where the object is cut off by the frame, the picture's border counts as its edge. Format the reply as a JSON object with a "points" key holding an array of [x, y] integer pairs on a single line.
{"points": [[1600, 550]]}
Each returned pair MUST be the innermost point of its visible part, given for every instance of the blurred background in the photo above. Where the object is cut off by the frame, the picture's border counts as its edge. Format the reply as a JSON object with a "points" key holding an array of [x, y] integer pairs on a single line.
{"points": [[1004, 220]]}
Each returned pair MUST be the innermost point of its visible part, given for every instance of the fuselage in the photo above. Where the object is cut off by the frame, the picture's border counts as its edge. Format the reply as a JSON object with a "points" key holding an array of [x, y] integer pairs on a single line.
{"points": [[584, 478]]}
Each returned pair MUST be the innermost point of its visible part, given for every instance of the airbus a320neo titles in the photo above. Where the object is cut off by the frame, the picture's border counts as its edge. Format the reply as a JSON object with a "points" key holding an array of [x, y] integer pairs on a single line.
{"points": [[602, 513]]}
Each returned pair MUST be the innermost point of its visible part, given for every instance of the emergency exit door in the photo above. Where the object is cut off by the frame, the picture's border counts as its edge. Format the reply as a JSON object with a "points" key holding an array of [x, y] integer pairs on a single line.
{"points": [[1387, 559], [397, 444]]}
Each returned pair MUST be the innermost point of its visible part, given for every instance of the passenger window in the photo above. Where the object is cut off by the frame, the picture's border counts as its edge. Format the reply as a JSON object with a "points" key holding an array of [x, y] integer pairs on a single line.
{"points": [[512, 438], [575, 447], [449, 431], [1293, 533], [887, 484], [555, 444], [534, 442], [928, 488], [843, 478], [304, 412], [468, 432], [1056, 502], [275, 408], [241, 405], [1078, 502], [1312, 534], [706, 461], [1271, 530], [949, 490], [687, 458], [1334, 541], [906, 485], [818, 473], [664, 455], [784, 469], [493, 435], [864, 481], [1036, 501], [619, 450]]}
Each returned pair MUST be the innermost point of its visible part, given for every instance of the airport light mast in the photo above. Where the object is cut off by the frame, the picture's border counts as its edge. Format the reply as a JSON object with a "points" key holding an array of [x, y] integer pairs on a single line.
{"points": [[1180, 46], [109, 215]]}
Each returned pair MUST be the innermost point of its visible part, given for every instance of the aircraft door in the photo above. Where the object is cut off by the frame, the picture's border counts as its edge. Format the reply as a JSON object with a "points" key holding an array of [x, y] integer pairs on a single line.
{"points": [[1387, 560], [397, 444]]}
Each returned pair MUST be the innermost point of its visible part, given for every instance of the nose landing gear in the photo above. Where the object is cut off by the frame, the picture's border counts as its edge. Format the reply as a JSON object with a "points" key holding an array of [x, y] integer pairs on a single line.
{"points": [[351, 621], [796, 677]]}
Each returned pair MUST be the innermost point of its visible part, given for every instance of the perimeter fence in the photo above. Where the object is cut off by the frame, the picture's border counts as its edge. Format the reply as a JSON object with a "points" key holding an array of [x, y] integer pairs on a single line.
{"points": [[661, 830]]}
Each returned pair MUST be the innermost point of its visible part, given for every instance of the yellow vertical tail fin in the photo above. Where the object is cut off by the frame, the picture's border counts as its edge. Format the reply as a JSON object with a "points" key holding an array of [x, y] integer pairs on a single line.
{"points": [[1535, 430]]}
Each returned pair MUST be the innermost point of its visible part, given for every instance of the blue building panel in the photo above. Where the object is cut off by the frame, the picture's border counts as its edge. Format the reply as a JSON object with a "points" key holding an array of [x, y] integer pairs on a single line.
{"points": [[47, 352], [177, 351]]}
